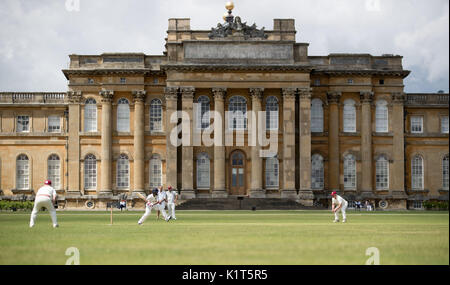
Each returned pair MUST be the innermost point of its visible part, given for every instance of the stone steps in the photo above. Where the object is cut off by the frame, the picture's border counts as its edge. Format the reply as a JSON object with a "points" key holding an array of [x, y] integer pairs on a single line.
{"points": [[233, 203]]}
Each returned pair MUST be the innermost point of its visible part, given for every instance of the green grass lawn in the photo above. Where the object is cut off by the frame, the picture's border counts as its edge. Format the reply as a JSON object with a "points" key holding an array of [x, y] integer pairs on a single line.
{"points": [[227, 237]]}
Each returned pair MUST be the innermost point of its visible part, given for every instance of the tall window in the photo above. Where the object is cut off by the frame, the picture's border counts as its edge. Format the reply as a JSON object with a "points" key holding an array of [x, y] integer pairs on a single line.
{"points": [[90, 172], [203, 164], [382, 174], [156, 115], [444, 125], [317, 174], [237, 113], [349, 116], [203, 116], [123, 172], [23, 172], [90, 116], [155, 171], [417, 173], [123, 115], [23, 124], [316, 116], [54, 124], [272, 113], [416, 124], [54, 171], [272, 173], [381, 117], [445, 172], [350, 172]]}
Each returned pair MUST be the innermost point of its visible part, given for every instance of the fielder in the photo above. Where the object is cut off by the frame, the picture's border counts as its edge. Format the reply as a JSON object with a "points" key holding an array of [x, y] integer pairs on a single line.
{"points": [[45, 198], [154, 200], [172, 197], [338, 204]]}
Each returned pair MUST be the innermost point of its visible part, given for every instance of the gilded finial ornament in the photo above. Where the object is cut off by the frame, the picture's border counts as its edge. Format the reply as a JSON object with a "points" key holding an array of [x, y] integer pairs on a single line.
{"points": [[229, 5]]}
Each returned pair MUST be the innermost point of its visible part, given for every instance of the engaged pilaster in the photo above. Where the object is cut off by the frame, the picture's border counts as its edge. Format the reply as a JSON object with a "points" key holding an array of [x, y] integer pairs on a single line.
{"points": [[106, 143], [256, 190], [333, 139], [219, 190], [75, 98], [288, 190], [397, 177], [171, 95], [366, 99], [306, 196], [139, 144], [187, 101]]}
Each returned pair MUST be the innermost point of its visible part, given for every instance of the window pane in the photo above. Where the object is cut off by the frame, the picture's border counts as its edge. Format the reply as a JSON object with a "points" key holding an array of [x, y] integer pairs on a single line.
{"points": [[90, 172], [416, 124], [381, 119], [317, 116], [23, 124], [417, 173], [155, 172], [90, 116], [123, 116], [444, 125], [237, 113], [272, 113], [349, 117], [54, 170], [203, 116], [272, 174], [22, 173], [54, 124], [123, 172], [203, 165], [317, 174], [350, 173], [156, 115], [382, 174], [445, 173]]}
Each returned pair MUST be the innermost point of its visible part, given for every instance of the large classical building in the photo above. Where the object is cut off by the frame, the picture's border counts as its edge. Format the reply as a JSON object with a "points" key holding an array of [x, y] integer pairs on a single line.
{"points": [[337, 122]]}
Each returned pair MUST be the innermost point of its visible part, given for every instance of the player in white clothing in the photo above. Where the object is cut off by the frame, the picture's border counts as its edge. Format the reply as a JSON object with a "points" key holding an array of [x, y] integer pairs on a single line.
{"points": [[172, 197], [154, 200], [339, 204], [45, 198]]}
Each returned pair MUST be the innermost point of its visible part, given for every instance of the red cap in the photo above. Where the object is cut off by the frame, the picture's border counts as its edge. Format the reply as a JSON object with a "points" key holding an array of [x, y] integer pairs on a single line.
{"points": [[48, 182], [334, 193], [170, 188]]}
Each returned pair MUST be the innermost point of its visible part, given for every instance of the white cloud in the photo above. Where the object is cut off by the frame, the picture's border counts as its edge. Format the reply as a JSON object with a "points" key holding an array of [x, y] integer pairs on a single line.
{"points": [[37, 36]]}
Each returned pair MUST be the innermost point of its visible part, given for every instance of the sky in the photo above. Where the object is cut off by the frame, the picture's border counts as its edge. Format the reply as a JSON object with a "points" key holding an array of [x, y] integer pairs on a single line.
{"points": [[37, 36]]}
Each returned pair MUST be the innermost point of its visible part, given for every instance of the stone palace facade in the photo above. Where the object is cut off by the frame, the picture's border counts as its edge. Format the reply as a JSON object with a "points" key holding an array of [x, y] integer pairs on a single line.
{"points": [[340, 122]]}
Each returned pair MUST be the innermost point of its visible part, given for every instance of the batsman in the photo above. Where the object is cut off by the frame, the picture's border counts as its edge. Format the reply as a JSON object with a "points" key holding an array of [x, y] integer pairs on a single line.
{"points": [[154, 200]]}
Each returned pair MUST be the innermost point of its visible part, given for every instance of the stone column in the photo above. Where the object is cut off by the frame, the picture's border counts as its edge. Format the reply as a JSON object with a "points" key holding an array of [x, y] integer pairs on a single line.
{"points": [[397, 176], [289, 190], [219, 190], [74, 143], [139, 141], [366, 141], [256, 190], [171, 95], [333, 140], [106, 143], [306, 195], [187, 103]]}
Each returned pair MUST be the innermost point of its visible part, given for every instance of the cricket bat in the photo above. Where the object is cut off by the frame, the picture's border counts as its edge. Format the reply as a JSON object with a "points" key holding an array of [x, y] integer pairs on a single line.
{"points": [[141, 196]]}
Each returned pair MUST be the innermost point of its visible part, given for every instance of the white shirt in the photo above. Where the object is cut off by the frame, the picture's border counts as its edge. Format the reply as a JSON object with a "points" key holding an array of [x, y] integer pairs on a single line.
{"points": [[48, 191], [171, 196], [339, 200], [151, 199], [161, 196]]}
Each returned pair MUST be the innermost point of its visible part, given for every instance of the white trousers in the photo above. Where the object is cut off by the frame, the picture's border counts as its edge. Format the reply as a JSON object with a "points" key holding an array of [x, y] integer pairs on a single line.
{"points": [[148, 210], [43, 202], [343, 209], [171, 208]]}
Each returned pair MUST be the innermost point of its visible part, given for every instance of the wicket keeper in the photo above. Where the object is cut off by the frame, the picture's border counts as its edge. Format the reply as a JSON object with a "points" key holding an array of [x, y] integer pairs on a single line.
{"points": [[338, 204]]}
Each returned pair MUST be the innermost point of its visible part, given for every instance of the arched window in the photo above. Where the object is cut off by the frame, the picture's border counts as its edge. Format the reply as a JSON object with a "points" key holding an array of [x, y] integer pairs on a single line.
{"points": [[317, 173], [445, 172], [156, 115], [23, 172], [350, 172], [203, 116], [237, 113], [417, 173], [349, 116], [272, 113], [54, 171], [272, 173], [316, 116], [381, 117], [382, 174], [90, 116], [123, 115], [155, 171], [203, 164], [90, 172], [123, 172]]}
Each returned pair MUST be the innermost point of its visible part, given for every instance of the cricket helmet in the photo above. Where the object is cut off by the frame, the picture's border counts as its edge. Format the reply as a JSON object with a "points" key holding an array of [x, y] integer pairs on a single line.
{"points": [[155, 191], [48, 182]]}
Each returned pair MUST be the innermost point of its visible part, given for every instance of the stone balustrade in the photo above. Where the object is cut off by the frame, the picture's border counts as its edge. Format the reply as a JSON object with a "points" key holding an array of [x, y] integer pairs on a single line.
{"points": [[32, 98]]}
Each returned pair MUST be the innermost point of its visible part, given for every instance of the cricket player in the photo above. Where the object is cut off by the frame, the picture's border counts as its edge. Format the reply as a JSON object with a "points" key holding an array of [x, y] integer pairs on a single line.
{"points": [[172, 197], [338, 204], [153, 201], [45, 198]]}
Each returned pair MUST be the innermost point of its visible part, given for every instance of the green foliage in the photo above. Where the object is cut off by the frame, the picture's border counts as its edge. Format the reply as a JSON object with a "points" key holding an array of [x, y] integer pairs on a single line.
{"points": [[17, 205], [434, 205]]}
